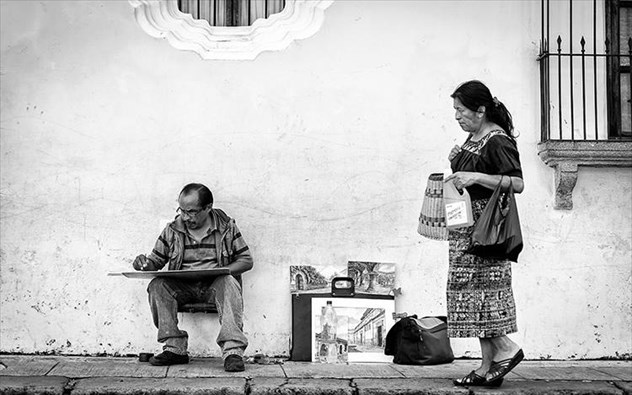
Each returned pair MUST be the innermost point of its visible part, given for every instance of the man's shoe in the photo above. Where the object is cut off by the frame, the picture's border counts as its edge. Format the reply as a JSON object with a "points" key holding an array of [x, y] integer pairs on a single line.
{"points": [[168, 358], [234, 363]]}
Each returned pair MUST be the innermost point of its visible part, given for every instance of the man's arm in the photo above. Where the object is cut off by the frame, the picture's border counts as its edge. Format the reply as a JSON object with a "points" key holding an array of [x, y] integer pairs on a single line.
{"points": [[241, 259], [158, 257], [241, 263]]}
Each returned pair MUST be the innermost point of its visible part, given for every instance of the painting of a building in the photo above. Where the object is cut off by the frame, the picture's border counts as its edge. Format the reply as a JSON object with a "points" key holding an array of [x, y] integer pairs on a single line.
{"points": [[369, 333], [361, 327]]}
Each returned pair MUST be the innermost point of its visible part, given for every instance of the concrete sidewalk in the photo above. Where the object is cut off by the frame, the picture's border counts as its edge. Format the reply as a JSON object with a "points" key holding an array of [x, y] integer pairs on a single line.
{"points": [[28, 374]]}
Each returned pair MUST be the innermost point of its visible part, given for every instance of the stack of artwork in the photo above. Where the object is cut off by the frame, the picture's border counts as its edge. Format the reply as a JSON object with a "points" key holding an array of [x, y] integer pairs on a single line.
{"points": [[358, 333], [375, 278]]}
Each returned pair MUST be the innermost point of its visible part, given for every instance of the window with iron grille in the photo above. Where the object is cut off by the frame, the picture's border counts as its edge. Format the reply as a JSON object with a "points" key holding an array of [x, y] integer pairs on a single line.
{"points": [[230, 12], [584, 58], [585, 86]]}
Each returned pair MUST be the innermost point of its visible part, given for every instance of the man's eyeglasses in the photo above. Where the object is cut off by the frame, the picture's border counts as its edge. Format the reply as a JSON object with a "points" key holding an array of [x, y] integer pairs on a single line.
{"points": [[188, 213]]}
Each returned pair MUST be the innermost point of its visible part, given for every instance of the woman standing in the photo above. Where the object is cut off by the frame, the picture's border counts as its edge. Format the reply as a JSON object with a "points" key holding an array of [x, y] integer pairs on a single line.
{"points": [[479, 294]]}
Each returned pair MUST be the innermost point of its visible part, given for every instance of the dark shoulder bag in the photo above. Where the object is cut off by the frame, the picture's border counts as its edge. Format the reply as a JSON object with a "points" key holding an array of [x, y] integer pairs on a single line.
{"points": [[497, 232], [424, 341]]}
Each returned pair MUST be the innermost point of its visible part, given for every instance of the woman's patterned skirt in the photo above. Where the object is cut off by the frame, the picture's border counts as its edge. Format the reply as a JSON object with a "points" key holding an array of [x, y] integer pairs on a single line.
{"points": [[480, 298]]}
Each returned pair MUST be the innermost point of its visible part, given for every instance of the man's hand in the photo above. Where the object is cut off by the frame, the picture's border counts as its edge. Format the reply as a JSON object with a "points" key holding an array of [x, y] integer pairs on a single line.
{"points": [[140, 263]]}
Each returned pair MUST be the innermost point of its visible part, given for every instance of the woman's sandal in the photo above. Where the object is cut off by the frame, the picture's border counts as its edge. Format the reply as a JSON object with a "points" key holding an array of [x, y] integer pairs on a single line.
{"points": [[498, 370], [473, 379]]}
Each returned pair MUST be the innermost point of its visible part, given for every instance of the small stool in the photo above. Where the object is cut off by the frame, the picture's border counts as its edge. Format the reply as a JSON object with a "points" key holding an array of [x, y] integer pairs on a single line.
{"points": [[208, 307], [198, 308]]}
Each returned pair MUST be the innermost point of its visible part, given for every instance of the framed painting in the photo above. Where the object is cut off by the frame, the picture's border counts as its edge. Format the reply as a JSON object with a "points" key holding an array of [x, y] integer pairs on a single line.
{"points": [[357, 332]]}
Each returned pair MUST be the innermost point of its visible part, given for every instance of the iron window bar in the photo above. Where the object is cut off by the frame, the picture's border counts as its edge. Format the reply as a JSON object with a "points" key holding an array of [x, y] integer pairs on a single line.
{"points": [[229, 13]]}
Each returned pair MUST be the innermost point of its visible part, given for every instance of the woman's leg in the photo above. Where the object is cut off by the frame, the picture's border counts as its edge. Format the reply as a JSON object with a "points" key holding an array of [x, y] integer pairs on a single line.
{"points": [[477, 377], [487, 354], [507, 354], [504, 348]]}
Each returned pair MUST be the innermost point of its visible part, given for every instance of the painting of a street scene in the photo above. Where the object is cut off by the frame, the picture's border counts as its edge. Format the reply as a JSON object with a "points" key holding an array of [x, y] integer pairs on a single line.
{"points": [[376, 278], [360, 330], [312, 279]]}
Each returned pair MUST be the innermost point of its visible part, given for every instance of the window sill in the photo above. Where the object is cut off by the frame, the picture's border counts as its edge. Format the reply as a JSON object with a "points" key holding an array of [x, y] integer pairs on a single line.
{"points": [[567, 156]]}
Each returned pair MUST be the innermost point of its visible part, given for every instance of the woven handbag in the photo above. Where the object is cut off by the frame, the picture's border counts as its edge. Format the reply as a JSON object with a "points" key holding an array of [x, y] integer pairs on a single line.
{"points": [[432, 217]]}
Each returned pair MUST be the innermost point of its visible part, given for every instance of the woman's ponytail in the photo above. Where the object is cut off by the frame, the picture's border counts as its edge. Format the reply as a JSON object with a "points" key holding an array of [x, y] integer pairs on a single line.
{"points": [[499, 114]]}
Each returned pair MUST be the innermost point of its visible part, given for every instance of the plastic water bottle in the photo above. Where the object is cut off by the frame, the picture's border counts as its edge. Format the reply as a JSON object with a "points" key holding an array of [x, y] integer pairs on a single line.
{"points": [[329, 322]]}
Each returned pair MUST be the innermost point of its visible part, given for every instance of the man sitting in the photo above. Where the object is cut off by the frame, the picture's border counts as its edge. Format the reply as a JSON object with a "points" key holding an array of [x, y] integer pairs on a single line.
{"points": [[200, 237]]}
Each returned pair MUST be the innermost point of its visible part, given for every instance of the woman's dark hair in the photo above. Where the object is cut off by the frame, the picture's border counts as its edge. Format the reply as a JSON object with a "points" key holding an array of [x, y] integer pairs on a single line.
{"points": [[474, 94], [205, 197]]}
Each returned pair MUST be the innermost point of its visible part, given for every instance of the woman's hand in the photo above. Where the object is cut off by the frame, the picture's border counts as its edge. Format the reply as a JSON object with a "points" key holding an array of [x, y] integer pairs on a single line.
{"points": [[455, 150], [462, 179]]}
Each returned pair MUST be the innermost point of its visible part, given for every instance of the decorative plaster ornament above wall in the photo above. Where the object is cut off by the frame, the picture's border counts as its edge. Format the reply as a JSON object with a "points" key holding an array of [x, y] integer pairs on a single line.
{"points": [[162, 19]]}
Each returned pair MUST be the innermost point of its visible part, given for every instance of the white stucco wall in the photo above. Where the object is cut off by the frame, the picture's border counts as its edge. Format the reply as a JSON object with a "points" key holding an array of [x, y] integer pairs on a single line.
{"points": [[321, 152]]}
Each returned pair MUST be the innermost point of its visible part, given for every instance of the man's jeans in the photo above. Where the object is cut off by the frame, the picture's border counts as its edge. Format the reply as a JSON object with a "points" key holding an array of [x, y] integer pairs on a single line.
{"points": [[165, 294]]}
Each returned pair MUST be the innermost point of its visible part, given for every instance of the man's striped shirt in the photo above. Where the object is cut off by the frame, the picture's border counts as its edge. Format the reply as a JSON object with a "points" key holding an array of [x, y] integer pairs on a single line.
{"points": [[198, 255]]}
